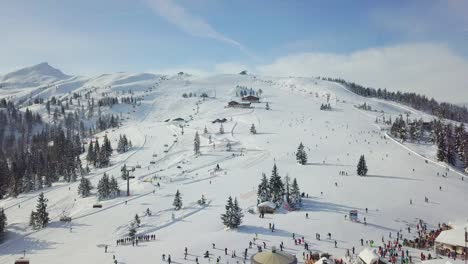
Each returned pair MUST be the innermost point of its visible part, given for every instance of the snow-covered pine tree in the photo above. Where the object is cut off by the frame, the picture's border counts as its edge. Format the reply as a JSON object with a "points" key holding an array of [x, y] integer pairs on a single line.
{"points": [[196, 144], [41, 211], [114, 190], [90, 157], [362, 167], [124, 172], [287, 191], [450, 151], [205, 131], [301, 155], [237, 213], [33, 220], [221, 129], [97, 154], [228, 146], [84, 188], [103, 190], [3, 221], [276, 186], [132, 230], [137, 220], [267, 106], [295, 193], [228, 217], [177, 201], [253, 130], [441, 149], [263, 191]]}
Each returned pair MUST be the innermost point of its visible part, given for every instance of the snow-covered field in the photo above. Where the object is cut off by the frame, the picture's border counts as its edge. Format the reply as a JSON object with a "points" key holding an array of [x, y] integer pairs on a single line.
{"points": [[334, 140]]}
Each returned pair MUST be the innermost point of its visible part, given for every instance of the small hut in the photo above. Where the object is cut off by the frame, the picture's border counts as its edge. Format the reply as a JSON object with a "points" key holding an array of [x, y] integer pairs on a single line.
{"points": [[266, 207], [452, 240], [273, 257], [368, 256]]}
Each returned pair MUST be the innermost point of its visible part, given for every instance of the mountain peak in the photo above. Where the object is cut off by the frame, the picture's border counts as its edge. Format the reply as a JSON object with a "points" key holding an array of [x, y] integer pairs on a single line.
{"points": [[39, 74]]}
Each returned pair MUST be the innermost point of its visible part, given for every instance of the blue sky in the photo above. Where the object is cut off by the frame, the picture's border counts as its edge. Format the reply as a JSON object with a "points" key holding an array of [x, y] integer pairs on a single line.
{"points": [[264, 36]]}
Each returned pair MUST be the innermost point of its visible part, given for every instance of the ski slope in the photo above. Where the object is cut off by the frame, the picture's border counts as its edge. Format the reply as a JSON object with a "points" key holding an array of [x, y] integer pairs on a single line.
{"points": [[334, 140]]}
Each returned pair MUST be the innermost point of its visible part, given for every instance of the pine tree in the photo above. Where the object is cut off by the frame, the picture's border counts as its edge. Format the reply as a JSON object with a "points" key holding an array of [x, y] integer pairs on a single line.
{"points": [[114, 190], [132, 231], [84, 189], [107, 146], [90, 157], [97, 154], [301, 155], [441, 149], [205, 131], [253, 130], [33, 220], [228, 217], [232, 218], [228, 146], [237, 213], [196, 144], [287, 191], [263, 192], [362, 167], [295, 193], [3, 221], [137, 220], [276, 186], [124, 172], [103, 190], [177, 201], [267, 106], [221, 129], [41, 212]]}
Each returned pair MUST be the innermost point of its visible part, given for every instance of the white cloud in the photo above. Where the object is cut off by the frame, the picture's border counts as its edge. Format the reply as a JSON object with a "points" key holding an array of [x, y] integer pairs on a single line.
{"points": [[189, 23], [430, 69]]}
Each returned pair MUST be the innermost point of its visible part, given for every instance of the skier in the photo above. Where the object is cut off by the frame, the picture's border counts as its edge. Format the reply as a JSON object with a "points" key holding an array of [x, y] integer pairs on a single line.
{"points": [[335, 243], [169, 259], [105, 249]]}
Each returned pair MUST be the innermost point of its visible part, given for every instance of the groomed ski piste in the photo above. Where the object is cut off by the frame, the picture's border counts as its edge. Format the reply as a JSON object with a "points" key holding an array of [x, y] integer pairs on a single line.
{"points": [[333, 140]]}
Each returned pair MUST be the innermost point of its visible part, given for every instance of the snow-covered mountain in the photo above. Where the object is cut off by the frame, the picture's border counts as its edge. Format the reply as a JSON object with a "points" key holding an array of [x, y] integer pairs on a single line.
{"points": [[40, 74], [389, 199]]}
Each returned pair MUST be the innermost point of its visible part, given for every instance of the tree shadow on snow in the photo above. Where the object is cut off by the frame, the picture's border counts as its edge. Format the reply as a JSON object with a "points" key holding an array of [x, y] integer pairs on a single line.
{"points": [[312, 205], [326, 164], [391, 177], [27, 243]]}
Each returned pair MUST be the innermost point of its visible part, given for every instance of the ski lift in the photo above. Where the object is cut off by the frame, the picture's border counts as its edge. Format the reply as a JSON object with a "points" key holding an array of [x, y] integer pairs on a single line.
{"points": [[152, 162], [97, 205], [353, 215], [22, 261], [155, 155]]}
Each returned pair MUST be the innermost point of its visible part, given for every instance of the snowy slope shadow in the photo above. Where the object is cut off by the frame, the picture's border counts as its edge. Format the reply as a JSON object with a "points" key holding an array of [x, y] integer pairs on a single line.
{"points": [[250, 229]]}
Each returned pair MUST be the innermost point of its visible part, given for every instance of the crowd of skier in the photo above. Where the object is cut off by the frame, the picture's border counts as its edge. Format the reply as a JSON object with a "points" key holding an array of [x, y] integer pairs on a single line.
{"points": [[134, 241]]}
